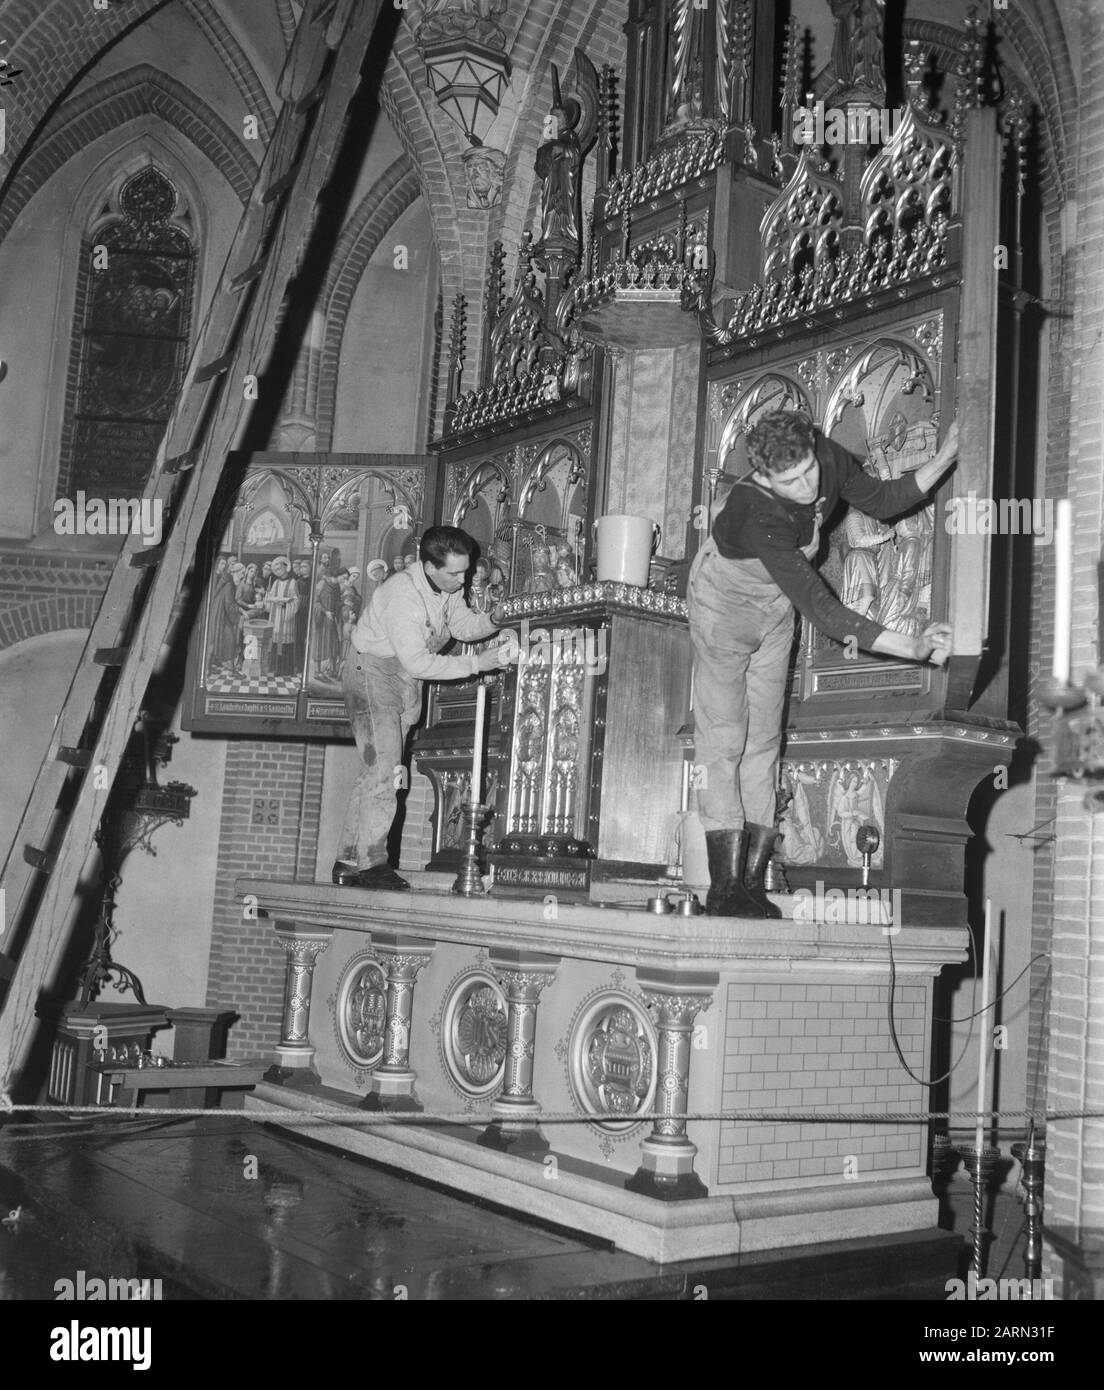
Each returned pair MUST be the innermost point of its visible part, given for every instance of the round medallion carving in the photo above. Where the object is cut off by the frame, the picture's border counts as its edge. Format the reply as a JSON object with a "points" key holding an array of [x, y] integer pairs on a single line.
{"points": [[473, 1034], [611, 1060], [361, 1012]]}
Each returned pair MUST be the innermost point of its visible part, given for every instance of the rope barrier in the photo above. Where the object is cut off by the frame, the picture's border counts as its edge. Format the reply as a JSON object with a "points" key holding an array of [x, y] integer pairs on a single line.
{"points": [[370, 1118]]}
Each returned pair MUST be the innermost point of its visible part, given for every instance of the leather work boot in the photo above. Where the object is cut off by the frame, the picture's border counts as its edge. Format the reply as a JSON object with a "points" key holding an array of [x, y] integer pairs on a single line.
{"points": [[728, 851], [344, 875], [761, 843], [381, 876]]}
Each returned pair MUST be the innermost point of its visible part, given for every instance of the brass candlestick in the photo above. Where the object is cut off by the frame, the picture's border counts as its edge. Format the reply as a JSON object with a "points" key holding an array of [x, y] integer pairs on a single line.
{"points": [[469, 881], [1032, 1156]]}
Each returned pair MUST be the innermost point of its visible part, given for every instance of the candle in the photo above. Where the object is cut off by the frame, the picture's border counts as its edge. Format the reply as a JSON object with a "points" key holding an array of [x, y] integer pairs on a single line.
{"points": [[1063, 591], [986, 1035], [477, 758]]}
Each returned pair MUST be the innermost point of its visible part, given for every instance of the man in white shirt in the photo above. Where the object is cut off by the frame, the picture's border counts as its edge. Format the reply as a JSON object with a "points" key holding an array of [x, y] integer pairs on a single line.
{"points": [[396, 645]]}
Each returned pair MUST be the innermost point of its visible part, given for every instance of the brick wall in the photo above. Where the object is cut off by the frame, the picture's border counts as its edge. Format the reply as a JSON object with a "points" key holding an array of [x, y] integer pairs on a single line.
{"points": [[823, 1048], [1075, 1148], [269, 827]]}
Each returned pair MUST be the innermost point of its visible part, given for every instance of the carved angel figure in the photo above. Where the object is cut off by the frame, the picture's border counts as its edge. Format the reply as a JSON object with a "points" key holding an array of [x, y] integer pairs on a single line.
{"points": [[559, 159]]}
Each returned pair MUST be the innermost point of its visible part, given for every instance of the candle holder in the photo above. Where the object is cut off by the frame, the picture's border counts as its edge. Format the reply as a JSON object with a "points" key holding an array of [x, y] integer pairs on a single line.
{"points": [[1077, 730], [980, 1175], [1032, 1156], [473, 820]]}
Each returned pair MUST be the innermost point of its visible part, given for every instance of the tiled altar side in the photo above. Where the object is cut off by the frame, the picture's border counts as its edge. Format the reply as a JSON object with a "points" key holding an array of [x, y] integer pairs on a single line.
{"points": [[822, 1047]]}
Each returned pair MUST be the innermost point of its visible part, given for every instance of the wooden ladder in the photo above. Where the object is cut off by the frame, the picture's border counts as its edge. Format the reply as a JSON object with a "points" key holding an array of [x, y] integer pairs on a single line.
{"points": [[43, 871]]}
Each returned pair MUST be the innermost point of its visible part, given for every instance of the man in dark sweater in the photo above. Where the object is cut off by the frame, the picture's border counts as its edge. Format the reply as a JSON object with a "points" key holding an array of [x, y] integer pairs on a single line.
{"points": [[755, 569]]}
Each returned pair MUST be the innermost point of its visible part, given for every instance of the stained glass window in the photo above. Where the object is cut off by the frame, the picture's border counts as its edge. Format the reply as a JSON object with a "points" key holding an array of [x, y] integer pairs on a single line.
{"points": [[134, 307]]}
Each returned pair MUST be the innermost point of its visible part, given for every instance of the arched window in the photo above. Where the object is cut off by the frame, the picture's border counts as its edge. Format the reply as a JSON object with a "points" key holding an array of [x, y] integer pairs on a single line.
{"points": [[130, 337]]}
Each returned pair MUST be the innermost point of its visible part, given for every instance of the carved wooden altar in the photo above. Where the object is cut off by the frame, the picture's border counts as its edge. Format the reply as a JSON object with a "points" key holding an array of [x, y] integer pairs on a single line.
{"points": [[854, 282]]}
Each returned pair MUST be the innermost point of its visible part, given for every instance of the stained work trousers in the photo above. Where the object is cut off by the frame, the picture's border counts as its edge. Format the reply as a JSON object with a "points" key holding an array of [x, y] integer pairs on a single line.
{"points": [[383, 703], [742, 628]]}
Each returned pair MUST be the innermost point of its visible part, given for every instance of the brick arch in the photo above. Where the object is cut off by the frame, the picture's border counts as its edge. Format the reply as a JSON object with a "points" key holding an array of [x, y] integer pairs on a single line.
{"points": [[463, 236], [54, 613], [396, 189], [139, 91], [58, 40], [204, 14]]}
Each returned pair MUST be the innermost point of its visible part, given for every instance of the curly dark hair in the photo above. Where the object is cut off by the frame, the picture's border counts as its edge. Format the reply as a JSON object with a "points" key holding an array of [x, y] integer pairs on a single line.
{"points": [[780, 439]]}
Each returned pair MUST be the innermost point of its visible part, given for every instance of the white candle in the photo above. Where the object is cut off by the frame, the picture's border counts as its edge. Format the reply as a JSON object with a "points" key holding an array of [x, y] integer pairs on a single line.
{"points": [[986, 1038], [1063, 590], [477, 759]]}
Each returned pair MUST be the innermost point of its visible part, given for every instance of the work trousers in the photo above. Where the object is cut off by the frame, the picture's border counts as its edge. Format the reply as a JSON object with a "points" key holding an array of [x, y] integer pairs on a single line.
{"points": [[742, 629], [383, 704]]}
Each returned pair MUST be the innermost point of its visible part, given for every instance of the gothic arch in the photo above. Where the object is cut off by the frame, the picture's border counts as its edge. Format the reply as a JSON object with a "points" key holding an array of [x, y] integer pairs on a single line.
{"points": [[59, 39], [139, 91], [396, 189]]}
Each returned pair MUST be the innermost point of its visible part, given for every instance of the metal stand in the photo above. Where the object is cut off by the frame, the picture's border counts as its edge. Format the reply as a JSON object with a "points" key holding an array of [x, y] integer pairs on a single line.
{"points": [[1032, 1156], [469, 881], [980, 1174]]}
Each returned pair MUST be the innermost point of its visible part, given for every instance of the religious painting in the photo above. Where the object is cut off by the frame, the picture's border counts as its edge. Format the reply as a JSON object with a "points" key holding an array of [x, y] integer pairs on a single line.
{"points": [[527, 511], [879, 396], [303, 547]]}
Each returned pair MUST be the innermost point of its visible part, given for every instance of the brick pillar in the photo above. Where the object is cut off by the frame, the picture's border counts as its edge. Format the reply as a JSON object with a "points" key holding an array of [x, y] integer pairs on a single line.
{"points": [[1075, 1148]]}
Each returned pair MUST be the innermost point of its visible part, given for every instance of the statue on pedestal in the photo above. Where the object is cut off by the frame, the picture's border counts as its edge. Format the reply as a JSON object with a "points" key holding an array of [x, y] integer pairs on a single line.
{"points": [[857, 53]]}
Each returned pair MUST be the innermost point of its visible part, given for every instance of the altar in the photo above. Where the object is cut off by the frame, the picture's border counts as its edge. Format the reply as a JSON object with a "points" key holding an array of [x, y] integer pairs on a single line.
{"points": [[679, 1087]]}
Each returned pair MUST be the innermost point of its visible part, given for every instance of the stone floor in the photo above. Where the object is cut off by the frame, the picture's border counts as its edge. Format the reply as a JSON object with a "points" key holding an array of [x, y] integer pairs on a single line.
{"points": [[226, 1208]]}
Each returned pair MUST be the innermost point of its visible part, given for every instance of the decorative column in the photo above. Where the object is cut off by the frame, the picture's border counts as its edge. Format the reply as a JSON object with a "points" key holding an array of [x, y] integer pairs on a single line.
{"points": [[522, 976], [293, 1059], [392, 1083], [667, 1169]]}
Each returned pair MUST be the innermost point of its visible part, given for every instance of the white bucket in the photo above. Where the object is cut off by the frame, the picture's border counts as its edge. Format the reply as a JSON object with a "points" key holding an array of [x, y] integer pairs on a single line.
{"points": [[625, 548]]}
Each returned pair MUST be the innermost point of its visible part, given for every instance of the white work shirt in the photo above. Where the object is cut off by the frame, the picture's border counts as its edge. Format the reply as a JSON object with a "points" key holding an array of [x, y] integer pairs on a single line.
{"points": [[408, 619]]}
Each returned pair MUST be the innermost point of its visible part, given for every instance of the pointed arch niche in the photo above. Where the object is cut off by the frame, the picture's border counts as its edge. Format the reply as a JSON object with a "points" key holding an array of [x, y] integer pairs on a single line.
{"points": [[131, 324]]}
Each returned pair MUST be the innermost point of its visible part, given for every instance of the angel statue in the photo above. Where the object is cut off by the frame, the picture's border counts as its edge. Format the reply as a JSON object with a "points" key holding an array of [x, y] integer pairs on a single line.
{"points": [[572, 124]]}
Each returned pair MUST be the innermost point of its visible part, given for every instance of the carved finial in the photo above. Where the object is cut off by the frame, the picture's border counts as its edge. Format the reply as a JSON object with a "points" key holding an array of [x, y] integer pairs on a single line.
{"points": [[1016, 127], [608, 135], [495, 297], [457, 343], [968, 75], [915, 62], [525, 256], [790, 60]]}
